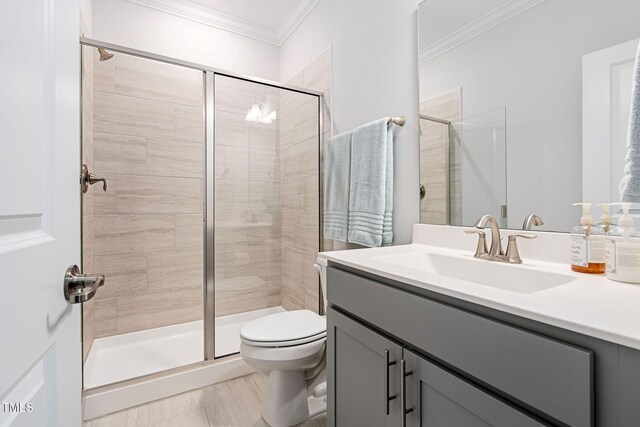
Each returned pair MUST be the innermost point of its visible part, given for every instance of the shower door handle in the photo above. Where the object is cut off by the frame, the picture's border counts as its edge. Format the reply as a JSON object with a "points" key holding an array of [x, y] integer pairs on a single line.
{"points": [[78, 287], [87, 179]]}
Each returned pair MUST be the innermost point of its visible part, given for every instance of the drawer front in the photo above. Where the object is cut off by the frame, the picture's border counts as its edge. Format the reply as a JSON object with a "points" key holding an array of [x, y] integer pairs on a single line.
{"points": [[549, 376]]}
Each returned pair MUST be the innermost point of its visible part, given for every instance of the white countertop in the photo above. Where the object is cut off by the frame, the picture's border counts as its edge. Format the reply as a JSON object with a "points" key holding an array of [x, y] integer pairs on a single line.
{"points": [[591, 304]]}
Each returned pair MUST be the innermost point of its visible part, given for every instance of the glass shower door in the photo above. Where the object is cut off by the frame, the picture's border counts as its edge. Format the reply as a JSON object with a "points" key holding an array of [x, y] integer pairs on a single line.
{"points": [[266, 204], [483, 167], [143, 132]]}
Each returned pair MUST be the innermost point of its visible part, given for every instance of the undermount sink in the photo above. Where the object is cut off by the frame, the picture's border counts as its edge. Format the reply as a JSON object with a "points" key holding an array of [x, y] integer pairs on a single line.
{"points": [[515, 278]]}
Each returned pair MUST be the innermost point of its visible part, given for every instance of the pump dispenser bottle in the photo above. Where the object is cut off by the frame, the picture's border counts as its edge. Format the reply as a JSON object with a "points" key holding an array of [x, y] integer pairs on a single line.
{"points": [[623, 249], [587, 252], [605, 218]]}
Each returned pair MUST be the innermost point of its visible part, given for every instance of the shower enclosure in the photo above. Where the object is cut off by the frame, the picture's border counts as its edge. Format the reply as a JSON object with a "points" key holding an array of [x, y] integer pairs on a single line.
{"points": [[463, 167], [209, 217]]}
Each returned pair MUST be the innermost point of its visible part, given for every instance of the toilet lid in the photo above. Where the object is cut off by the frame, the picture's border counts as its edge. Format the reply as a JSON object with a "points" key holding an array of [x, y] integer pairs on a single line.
{"points": [[297, 326]]}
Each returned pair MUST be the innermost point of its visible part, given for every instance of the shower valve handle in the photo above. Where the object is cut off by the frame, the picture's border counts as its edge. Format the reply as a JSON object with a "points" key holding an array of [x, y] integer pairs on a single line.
{"points": [[87, 179]]}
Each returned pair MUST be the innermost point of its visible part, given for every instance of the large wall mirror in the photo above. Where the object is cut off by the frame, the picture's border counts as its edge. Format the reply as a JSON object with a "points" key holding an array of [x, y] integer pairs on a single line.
{"points": [[524, 107]]}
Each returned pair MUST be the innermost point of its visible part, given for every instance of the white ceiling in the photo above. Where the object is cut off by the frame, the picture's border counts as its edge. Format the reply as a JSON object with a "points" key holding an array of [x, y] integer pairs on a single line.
{"points": [[270, 13], [439, 18]]}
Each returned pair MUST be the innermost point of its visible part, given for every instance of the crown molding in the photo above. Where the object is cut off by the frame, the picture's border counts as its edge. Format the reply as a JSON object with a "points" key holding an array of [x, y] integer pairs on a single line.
{"points": [[484, 23], [294, 18], [213, 18]]}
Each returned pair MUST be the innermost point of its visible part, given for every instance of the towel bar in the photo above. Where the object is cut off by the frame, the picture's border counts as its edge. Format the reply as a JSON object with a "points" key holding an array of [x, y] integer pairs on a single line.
{"points": [[398, 120]]}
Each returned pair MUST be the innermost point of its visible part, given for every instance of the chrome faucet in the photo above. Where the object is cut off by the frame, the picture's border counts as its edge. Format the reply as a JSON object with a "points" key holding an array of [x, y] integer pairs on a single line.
{"points": [[496, 244], [532, 220], [496, 253]]}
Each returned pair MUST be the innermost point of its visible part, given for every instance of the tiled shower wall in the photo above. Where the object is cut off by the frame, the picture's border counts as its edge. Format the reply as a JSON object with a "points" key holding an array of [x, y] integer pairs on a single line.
{"points": [[435, 139], [147, 227], [298, 138], [88, 321], [145, 232]]}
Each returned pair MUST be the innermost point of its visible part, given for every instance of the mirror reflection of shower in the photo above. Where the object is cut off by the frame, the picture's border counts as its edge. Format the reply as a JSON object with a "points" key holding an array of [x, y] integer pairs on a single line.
{"points": [[434, 170]]}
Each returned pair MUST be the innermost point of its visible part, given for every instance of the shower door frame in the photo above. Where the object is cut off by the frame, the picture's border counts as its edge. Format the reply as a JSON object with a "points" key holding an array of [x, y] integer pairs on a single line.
{"points": [[209, 74]]}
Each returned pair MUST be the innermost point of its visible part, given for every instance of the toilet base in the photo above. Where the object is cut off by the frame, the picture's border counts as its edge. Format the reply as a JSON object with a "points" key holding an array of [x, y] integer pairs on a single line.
{"points": [[286, 400]]}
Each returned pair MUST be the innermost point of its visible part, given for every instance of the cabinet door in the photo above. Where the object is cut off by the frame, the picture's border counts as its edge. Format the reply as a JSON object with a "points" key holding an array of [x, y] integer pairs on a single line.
{"points": [[363, 375], [436, 397]]}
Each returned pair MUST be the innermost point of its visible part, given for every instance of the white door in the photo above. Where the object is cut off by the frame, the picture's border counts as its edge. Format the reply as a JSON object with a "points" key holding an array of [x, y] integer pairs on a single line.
{"points": [[606, 104], [40, 350]]}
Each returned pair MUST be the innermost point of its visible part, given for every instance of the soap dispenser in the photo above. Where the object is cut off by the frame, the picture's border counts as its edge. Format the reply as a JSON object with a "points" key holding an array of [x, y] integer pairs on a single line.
{"points": [[623, 249], [605, 218], [587, 252]]}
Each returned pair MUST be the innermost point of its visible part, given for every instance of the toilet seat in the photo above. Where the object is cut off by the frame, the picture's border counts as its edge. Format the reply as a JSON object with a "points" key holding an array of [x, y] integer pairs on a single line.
{"points": [[284, 329]]}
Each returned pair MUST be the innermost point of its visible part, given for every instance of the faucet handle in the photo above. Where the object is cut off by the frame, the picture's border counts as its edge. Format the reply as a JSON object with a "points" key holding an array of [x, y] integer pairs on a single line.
{"points": [[513, 255], [513, 237], [481, 249]]}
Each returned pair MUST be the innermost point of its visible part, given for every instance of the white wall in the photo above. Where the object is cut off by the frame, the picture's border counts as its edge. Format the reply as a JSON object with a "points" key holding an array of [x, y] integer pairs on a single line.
{"points": [[532, 65], [86, 18], [131, 25], [374, 74]]}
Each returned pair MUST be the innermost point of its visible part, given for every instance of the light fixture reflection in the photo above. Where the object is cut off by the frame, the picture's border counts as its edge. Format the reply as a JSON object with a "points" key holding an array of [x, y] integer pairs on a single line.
{"points": [[256, 115]]}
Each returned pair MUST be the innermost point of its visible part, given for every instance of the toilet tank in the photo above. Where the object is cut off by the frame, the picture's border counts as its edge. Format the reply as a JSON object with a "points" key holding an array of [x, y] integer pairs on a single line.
{"points": [[321, 266]]}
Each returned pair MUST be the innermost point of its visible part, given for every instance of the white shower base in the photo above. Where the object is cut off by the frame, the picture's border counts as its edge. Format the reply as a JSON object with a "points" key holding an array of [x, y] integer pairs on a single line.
{"points": [[126, 356]]}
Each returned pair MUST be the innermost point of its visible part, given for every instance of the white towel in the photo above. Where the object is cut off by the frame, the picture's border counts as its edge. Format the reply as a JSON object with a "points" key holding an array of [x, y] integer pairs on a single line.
{"points": [[630, 184], [337, 173], [371, 188]]}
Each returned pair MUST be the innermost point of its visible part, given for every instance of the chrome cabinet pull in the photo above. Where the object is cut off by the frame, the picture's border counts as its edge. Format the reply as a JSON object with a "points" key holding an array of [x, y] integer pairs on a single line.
{"points": [[387, 398], [403, 392], [79, 288]]}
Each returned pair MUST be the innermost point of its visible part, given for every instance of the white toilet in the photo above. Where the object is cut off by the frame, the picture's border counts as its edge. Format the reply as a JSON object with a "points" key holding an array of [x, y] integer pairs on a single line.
{"points": [[289, 349]]}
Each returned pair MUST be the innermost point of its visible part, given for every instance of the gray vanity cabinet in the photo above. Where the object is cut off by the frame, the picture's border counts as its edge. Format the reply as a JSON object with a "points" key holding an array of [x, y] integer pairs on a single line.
{"points": [[467, 368], [438, 398], [365, 375]]}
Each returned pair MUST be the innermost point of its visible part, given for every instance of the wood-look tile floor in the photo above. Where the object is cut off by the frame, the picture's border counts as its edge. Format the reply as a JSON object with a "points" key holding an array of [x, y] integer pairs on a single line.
{"points": [[234, 403]]}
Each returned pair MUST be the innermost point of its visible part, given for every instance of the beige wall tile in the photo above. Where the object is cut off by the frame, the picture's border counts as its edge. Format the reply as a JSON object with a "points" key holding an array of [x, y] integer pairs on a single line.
{"points": [[189, 123], [159, 307], [237, 96], [175, 270], [88, 314], [149, 146], [125, 115], [262, 136], [87, 243], [149, 79], [116, 153], [432, 169], [300, 125], [292, 294], [156, 194], [230, 129], [189, 232], [118, 234], [104, 202], [88, 327], [103, 72], [242, 294], [105, 315], [299, 201], [123, 274], [232, 163], [168, 157]]}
